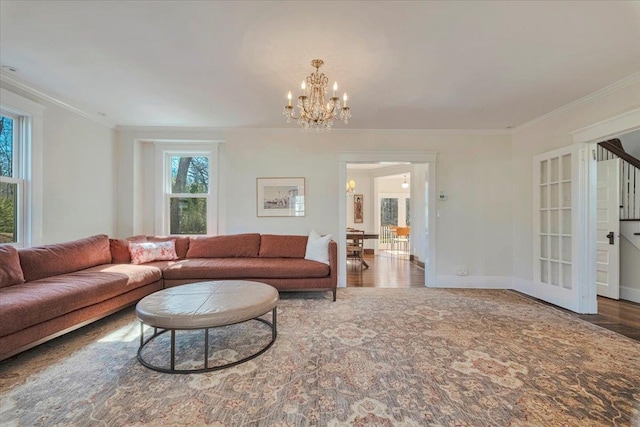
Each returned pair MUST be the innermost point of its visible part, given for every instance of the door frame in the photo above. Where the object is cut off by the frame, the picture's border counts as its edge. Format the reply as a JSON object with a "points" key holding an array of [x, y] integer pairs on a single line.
{"points": [[414, 158], [586, 140]]}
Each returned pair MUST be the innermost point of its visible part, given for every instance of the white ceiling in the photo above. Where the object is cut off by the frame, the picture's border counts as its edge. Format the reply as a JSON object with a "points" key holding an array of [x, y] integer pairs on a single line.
{"points": [[405, 65]]}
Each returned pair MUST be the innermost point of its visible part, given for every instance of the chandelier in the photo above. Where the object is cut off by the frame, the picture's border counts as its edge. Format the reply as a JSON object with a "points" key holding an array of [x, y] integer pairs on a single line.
{"points": [[314, 111]]}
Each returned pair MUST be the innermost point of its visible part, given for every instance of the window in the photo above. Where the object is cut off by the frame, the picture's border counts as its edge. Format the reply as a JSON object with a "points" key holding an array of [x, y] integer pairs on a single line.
{"points": [[388, 211], [407, 211], [11, 180], [188, 197]]}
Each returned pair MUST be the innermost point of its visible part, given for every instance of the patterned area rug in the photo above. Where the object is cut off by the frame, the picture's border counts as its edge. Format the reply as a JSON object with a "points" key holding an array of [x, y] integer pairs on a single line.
{"points": [[376, 357]]}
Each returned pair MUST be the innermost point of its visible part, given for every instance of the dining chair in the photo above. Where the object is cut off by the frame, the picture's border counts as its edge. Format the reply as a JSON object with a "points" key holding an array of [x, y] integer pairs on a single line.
{"points": [[355, 246]]}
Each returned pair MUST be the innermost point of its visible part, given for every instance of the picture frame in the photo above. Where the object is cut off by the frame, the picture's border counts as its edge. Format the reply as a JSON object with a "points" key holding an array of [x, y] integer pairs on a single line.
{"points": [[358, 208], [283, 197]]}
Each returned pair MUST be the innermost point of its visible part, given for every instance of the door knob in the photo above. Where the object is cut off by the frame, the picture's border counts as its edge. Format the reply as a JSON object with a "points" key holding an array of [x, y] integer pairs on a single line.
{"points": [[610, 237]]}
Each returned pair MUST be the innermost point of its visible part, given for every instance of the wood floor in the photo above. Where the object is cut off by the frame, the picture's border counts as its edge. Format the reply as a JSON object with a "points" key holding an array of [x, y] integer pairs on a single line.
{"points": [[390, 271], [620, 316], [385, 271]]}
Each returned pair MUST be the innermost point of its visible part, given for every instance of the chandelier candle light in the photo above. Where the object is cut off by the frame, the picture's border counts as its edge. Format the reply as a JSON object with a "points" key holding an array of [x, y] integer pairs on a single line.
{"points": [[313, 110]]}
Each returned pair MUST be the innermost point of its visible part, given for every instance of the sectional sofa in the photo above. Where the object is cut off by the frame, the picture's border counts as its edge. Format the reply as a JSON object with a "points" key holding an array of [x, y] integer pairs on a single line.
{"points": [[49, 290]]}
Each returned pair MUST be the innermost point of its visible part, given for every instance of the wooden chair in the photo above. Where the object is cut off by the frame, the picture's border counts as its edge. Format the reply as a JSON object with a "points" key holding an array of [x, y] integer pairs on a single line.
{"points": [[355, 246]]}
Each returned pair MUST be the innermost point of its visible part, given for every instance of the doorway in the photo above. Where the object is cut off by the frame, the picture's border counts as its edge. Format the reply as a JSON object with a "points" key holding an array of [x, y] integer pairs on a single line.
{"points": [[378, 202], [618, 221], [586, 140], [420, 170]]}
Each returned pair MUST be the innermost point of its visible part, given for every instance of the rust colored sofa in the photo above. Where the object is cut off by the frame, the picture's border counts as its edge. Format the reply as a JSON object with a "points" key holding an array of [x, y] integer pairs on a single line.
{"points": [[50, 290]]}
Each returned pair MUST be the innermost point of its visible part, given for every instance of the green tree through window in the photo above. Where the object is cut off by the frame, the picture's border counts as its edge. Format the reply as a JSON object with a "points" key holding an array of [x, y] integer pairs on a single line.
{"points": [[8, 188], [189, 186]]}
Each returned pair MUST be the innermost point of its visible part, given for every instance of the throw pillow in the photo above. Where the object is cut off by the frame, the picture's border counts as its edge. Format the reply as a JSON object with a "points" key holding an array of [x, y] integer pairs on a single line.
{"points": [[152, 251], [10, 269], [318, 247]]}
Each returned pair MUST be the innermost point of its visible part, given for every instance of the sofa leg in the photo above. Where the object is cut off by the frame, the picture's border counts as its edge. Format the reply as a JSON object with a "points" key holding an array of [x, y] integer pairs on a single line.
{"points": [[334, 293]]}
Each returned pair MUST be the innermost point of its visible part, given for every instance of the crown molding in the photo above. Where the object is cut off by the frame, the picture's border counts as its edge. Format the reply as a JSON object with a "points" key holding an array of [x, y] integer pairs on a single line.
{"points": [[19, 84], [607, 90]]}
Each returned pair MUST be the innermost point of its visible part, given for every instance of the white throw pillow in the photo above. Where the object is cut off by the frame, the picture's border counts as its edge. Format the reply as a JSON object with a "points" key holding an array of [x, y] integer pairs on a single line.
{"points": [[318, 247]]}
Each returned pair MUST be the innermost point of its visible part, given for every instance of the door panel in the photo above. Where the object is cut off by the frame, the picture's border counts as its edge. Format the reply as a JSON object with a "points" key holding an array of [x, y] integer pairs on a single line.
{"points": [[608, 229]]}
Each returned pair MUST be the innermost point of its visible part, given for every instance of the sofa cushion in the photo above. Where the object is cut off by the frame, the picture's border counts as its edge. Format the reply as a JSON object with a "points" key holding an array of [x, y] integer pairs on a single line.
{"points": [[34, 302], [182, 243], [120, 249], [52, 260], [278, 246], [245, 268], [10, 269], [232, 246]]}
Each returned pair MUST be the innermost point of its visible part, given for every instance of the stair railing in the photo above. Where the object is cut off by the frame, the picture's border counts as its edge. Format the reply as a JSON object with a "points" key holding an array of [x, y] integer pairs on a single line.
{"points": [[629, 178]]}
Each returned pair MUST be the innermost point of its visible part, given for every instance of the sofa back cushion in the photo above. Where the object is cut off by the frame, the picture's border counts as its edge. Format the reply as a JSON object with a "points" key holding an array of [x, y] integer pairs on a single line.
{"points": [[278, 246], [182, 243], [51, 260], [120, 249], [10, 269], [233, 246]]}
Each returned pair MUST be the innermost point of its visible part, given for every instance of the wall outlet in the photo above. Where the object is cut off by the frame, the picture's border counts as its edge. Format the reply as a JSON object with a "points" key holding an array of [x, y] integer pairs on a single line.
{"points": [[462, 270]]}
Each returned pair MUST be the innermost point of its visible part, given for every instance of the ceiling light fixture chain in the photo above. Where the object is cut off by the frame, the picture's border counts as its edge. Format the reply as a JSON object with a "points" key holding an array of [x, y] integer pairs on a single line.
{"points": [[314, 111]]}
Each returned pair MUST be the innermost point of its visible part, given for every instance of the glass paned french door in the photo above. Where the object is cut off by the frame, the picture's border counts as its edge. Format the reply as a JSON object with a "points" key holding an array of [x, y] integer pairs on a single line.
{"points": [[553, 191]]}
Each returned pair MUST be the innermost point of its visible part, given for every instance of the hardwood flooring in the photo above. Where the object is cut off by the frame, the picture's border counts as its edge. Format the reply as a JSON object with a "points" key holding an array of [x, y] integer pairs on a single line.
{"points": [[385, 271], [392, 271], [620, 316]]}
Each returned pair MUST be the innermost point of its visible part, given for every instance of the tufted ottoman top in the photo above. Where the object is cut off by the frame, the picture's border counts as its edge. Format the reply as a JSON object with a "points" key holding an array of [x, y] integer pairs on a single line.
{"points": [[207, 304]]}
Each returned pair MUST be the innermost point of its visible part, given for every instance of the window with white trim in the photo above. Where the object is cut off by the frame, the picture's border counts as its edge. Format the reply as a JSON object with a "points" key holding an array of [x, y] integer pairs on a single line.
{"points": [[188, 194], [12, 183]]}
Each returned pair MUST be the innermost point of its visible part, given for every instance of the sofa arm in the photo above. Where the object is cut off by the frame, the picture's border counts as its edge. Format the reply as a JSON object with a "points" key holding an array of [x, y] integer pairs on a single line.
{"points": [[333, 266]]}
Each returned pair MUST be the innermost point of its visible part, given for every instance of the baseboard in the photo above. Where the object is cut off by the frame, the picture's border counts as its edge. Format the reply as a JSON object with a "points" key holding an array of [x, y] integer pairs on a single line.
{"points": [[524, 286], [630, 294], [416, 261], [474, 282]]}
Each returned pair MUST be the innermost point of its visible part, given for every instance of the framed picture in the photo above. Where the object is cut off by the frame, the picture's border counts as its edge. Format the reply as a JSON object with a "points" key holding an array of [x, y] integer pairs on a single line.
{"points": [[280, 196], [358, 208]]}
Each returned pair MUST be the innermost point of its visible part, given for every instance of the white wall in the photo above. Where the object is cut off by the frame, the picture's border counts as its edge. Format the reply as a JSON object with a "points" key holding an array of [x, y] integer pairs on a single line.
{"points": [[474, 227], [544, 136], [79, 196], [78, 174]]}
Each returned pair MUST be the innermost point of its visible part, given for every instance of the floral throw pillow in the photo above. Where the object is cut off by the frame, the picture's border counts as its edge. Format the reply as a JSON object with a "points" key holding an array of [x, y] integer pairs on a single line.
{"points": [[152, 251]]}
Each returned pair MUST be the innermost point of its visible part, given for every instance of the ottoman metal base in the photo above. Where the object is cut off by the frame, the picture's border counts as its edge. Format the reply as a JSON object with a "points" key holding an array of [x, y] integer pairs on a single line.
{"points": [[207, 368]]}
